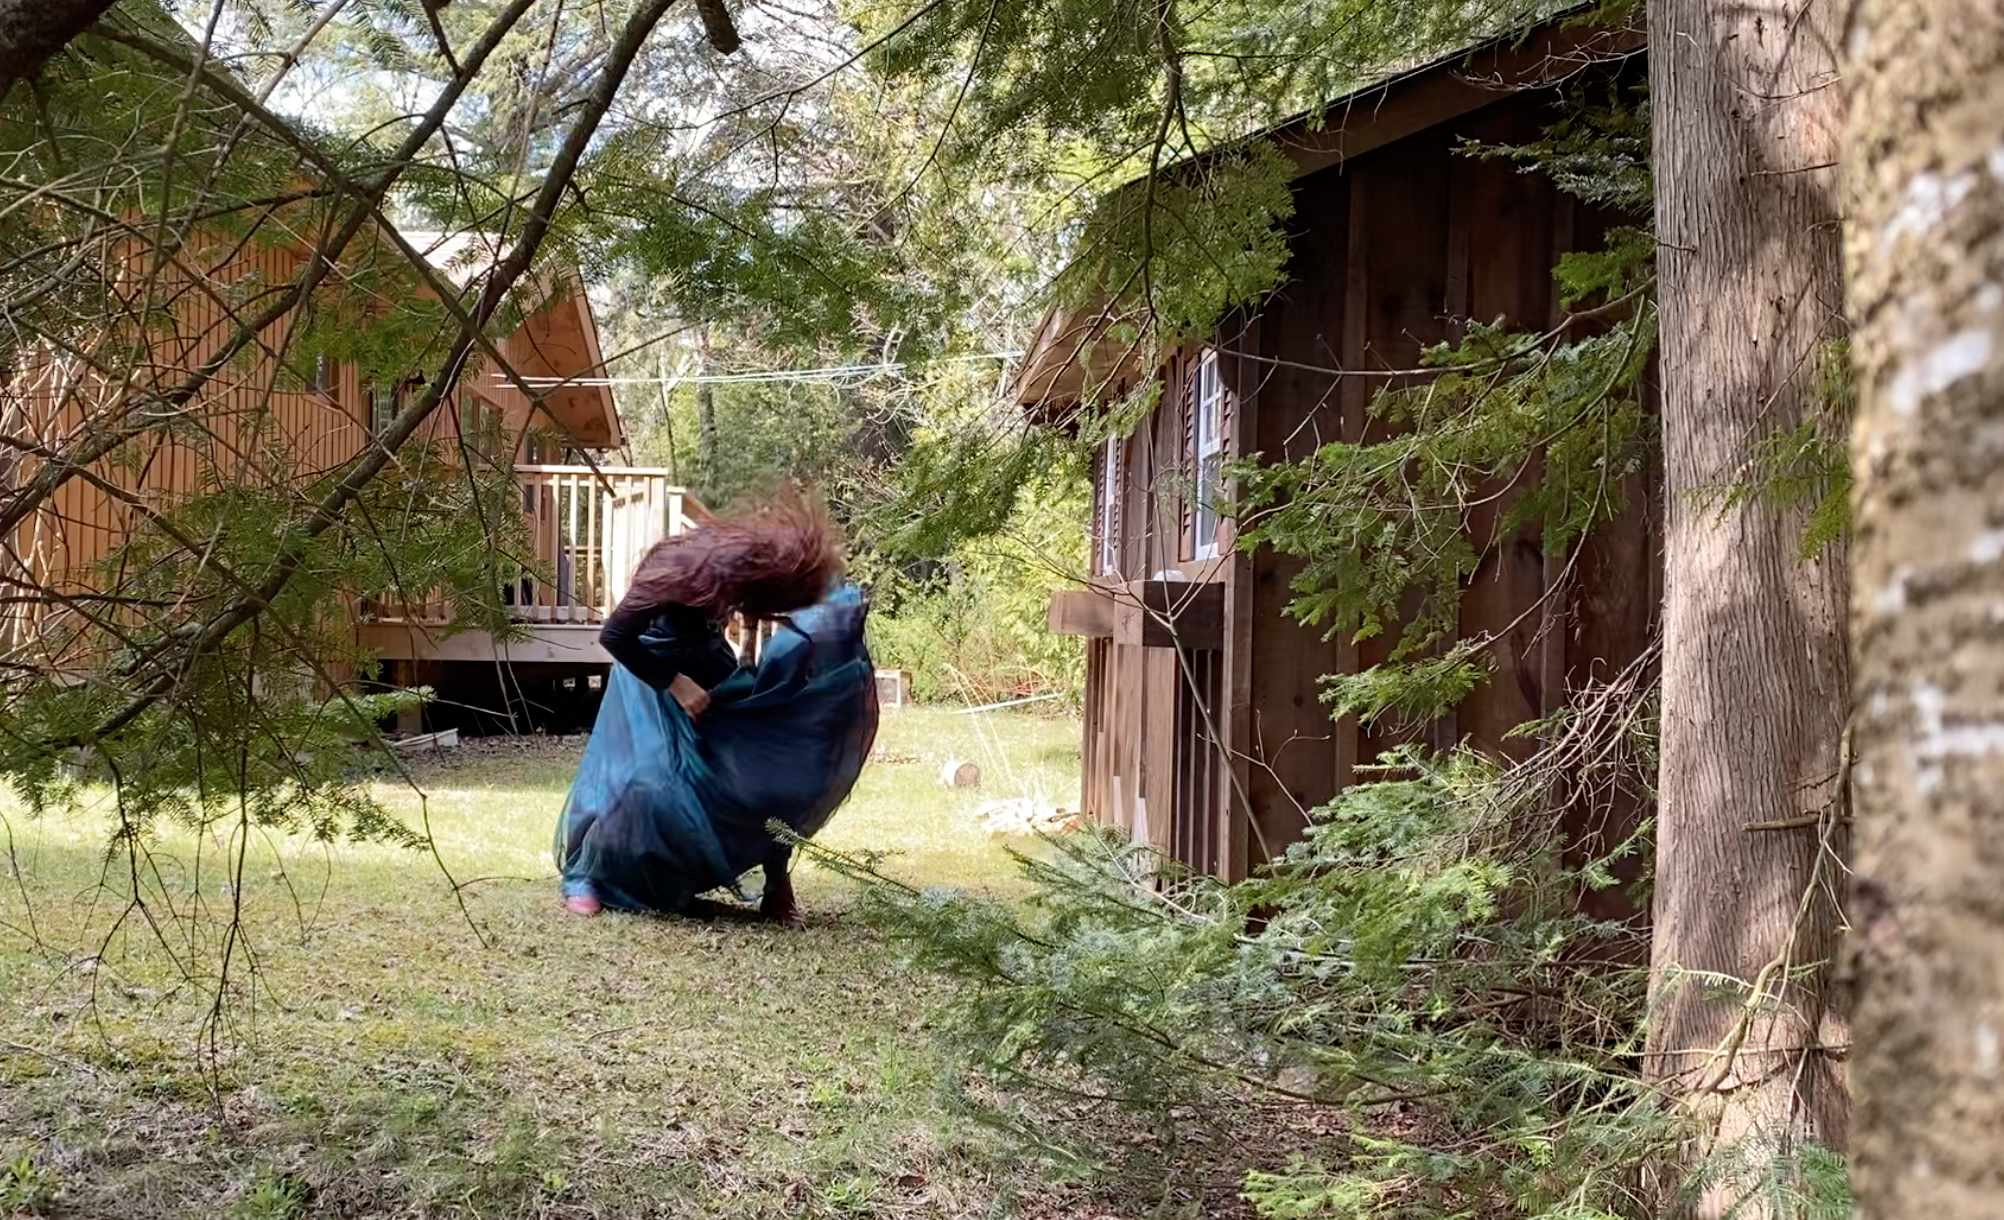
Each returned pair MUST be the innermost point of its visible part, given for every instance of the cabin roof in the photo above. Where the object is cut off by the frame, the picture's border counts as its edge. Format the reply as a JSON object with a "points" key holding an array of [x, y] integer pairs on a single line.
{"points": [[1072, 348], [559, 338], [460, 257]]}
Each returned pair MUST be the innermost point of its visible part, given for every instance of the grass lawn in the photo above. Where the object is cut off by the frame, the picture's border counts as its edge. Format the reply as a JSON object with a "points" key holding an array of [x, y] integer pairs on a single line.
{"points": [[393, 1065]]}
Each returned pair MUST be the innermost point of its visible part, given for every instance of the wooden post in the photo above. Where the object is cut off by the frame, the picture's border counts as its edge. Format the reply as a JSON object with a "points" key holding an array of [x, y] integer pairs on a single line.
{"points": [[594, 578], [1554, 619], [1234, 718], [1353, 399], [567, 551]]}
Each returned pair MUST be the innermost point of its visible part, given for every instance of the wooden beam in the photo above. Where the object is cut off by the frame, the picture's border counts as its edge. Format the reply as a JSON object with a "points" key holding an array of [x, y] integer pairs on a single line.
{"points": [[1171, 614], [1247, 377], [1555, 615], [549, 642], [1088, 612], [1353, 396], [1445, 731]]}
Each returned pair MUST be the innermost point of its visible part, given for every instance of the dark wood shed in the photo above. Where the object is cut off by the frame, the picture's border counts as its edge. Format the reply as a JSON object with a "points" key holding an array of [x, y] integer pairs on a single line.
{"points": [[1205, 733]]}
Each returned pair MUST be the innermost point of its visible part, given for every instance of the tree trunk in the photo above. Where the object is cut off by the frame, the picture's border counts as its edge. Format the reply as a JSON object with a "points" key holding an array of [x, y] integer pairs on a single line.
{"points": [[33, 30], [1926, 157], [1747, 118], [668, 416], [706, 415]]}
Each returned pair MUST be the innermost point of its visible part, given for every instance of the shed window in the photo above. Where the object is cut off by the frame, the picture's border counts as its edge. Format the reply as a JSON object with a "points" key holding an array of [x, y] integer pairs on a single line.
{"points": [[1210, 445]]}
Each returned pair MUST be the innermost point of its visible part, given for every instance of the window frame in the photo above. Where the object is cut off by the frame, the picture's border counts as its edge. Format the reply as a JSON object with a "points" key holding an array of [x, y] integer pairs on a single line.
{"points": [[1208, 441], [382, 404], [481, 426]]}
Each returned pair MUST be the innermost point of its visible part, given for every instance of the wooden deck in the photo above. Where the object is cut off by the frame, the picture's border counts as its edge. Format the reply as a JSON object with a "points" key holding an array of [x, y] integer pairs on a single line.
{"points": [[590, 528]]}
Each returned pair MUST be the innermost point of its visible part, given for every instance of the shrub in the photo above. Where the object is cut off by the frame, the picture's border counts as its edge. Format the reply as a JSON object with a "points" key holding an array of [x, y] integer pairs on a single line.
{"points": [[974, 630]]}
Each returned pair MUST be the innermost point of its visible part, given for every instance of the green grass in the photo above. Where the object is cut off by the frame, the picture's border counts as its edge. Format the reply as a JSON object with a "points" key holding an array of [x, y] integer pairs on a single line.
{"points": [[381, 1060]]}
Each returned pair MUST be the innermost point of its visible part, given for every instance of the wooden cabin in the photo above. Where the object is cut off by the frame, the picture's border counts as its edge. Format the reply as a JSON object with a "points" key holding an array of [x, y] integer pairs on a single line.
{"points": [[590, 515], [1205, 733]]}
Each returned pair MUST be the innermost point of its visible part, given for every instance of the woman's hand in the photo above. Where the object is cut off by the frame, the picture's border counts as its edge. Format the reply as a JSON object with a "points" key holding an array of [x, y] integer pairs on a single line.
{"points": [[693, 698]]}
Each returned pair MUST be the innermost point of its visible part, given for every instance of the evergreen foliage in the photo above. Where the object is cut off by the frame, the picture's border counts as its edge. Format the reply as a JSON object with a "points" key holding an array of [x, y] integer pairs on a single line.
{"points": [[1808, 468], [1549, 426], [972, 628], [1419, 963], [174, 255], [257, 727], [1422, 961]]}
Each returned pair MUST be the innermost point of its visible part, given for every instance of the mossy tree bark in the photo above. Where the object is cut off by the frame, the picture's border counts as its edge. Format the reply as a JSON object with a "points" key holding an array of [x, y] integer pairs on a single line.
{"points": [[1925, 157], [33, 30]]}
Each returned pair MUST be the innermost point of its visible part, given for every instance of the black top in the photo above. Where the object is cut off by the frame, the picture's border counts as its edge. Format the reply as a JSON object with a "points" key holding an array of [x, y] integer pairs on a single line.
{"points": [[658, 642]]}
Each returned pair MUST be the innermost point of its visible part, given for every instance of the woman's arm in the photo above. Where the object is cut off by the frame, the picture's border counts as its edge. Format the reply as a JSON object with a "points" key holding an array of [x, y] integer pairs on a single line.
{"points": [[682, 666], [693, 698], [621, 637]]}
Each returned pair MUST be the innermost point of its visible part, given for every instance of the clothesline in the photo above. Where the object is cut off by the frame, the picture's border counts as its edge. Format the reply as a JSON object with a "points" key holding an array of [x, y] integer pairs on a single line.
{"points": [[833, 372]]}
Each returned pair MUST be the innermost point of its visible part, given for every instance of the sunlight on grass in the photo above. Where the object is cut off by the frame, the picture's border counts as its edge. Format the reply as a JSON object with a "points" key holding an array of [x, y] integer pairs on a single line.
{"points": [[392, 1064]]}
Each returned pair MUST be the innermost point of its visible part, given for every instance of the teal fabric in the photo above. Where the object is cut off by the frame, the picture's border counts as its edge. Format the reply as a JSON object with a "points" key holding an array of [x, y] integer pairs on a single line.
{"points": [[664, 808]]}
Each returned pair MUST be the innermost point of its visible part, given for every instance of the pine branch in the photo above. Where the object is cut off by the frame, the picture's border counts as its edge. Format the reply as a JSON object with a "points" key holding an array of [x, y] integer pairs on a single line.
{"points": [[337, 180], [51, 477], [203, 639]]}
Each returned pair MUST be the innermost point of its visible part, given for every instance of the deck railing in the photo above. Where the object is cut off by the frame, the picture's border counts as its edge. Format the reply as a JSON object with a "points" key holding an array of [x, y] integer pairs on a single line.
{"points": [[589, 529]]}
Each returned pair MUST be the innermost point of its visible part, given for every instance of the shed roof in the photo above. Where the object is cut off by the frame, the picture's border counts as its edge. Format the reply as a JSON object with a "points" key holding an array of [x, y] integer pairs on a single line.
{"points": [[1070, 351]]}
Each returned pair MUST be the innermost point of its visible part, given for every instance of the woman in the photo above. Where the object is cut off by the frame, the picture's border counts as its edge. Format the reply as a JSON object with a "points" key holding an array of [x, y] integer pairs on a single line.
{"points": [[693, 756]]}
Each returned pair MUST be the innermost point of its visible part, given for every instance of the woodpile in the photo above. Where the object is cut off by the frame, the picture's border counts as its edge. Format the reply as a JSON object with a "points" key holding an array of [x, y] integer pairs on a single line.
{"points": [[1021, 817]]}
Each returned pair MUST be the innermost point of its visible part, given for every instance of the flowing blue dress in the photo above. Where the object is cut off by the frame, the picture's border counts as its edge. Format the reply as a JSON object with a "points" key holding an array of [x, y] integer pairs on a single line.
{"points": [[665, 808]]}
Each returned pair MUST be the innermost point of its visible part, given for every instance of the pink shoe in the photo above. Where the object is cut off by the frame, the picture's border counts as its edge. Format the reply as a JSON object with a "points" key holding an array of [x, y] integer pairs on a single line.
{"points": [[778, 905], [582, 904]]}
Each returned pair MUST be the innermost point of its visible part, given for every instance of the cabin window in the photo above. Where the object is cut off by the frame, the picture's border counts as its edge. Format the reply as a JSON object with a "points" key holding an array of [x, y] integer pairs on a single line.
{"points": [[1109, 507], [325, 372], [1210, 445], [382, 407], [480, 426]]}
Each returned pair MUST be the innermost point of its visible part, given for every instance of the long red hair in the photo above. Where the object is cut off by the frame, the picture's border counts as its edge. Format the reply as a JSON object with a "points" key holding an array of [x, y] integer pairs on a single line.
{"points": [[780, 556]]}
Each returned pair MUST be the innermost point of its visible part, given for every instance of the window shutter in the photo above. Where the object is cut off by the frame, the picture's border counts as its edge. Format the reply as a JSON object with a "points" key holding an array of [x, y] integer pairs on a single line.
{"points": [[1116, 487], [1098, 540], [1186, 545], [1228, 406]]}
